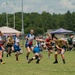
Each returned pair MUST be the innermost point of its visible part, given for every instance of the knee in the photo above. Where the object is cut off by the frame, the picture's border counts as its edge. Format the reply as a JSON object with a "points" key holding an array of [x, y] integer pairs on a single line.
{"points": [[28, 52]]}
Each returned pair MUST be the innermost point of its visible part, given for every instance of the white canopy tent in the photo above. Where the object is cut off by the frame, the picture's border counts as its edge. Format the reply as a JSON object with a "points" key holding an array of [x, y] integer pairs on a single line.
{"points": [[7, 30]]}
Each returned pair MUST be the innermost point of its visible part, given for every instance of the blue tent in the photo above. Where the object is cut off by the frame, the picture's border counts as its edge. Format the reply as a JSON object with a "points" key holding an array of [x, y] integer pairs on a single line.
{"points": [[61, 31]]}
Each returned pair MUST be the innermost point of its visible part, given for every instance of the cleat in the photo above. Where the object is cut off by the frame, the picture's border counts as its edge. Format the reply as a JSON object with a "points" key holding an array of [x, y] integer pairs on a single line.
{"points": [[29, 61], [2, 62], [55, 62]]}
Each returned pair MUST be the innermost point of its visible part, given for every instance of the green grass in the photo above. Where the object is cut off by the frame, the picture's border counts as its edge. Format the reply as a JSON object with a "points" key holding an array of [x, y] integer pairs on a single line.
{"points": [[46, 66]]}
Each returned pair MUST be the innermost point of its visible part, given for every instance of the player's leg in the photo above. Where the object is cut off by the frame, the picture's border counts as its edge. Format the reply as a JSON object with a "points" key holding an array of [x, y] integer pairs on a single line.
{"points": [[1, 57], [32, 48], [50, 51], [56, 58], [28, 52], [39, 58], [16, 55], [33, 58], [19, 52], [62, 55], [8, 52]]}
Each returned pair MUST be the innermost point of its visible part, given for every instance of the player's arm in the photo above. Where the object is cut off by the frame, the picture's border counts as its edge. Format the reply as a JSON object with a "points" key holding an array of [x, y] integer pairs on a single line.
{"points": [[7, 40], [12, 40], [47, 42], [41, 40], [58, 47], [27, 37]]}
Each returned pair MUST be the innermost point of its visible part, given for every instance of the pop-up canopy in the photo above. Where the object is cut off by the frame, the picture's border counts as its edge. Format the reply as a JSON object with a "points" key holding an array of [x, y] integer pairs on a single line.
{"points": [[7, 30], [61, 31]]}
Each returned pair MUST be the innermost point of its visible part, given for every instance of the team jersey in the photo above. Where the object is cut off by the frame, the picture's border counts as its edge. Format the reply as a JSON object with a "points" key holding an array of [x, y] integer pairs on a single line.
{"points": [[59, 43], [30, 40], [38, 44], [1, 41], [49, 42], [16, 41], [10, 40], [16, 44], [70, 41], [38, 47]]}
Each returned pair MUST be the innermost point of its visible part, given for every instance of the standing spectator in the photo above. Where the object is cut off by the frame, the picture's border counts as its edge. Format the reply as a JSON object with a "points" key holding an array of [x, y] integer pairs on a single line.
{"points": [[70, 42]]}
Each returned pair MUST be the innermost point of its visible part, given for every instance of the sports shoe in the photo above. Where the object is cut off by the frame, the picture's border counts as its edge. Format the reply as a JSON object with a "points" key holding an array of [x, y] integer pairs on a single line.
{"points": [[2, 62], [55, 62], [29, 61]]}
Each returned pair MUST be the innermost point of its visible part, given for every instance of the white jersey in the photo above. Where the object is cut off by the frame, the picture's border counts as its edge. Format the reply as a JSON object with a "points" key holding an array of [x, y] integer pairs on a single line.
{"points": [[31, 38], [17, 40]]}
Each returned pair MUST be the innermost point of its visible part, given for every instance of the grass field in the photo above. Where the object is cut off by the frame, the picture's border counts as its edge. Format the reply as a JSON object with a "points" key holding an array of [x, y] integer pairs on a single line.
{"points": [[45, 67]]}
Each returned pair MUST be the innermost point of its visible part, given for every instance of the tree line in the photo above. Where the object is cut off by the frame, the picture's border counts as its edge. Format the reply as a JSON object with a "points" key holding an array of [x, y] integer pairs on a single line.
{"points": [[40, 22]]}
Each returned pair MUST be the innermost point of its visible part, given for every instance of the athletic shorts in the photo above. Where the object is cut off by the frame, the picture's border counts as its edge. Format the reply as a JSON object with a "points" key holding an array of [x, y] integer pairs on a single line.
{"points": [[49, 48], [27, 45], [19, 51], [64, 47], [0, 48], [8, 45], [16, 48], [36, 50]]}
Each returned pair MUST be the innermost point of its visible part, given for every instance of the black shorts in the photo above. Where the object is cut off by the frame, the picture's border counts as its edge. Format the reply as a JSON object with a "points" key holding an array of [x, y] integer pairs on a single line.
{"points": [[8, 45], [49, 48]]}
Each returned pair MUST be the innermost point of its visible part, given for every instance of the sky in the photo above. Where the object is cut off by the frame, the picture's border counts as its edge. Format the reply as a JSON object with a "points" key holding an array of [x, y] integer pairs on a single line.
{"points": [[51, 6]]}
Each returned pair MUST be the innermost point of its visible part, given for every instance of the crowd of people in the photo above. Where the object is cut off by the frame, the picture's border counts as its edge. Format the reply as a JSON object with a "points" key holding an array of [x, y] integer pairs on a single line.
{"points": [[9, 45], [51, 44]]}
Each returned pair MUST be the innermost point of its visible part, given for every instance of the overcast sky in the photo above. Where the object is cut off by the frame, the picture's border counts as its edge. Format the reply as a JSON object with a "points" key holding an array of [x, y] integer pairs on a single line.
{"points": [[52, 6]]}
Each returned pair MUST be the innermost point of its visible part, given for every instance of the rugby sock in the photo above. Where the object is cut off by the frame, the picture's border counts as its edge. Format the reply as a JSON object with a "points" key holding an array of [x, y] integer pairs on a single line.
{"points": [[7, 55], [10, 53], [30, 60], [55, 61], [27, 55], [37, 61], [0, 60], [2, 54], [64, 61], [16, 58]]}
